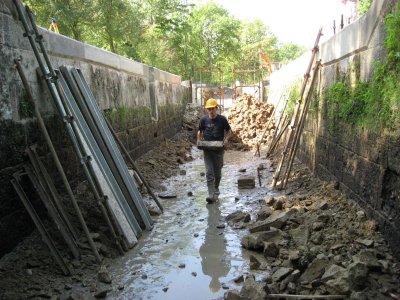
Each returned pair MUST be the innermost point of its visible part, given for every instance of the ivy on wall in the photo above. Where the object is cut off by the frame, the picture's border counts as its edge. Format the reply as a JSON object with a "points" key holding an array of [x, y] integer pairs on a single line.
{"points": [[372, 104]]}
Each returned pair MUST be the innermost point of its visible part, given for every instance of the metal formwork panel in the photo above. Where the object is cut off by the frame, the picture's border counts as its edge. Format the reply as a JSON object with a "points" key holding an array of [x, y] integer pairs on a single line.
{"points": [[95, 121], [122, 172], [126, 220]]}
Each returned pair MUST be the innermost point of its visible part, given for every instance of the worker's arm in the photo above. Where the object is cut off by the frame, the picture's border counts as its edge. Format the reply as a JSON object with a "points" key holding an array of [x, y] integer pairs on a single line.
{"points": [[227, 136], [200, 135]]}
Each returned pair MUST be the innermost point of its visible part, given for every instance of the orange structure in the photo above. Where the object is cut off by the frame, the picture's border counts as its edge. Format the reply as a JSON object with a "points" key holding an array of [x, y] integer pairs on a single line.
{"points": [[266, 59]]}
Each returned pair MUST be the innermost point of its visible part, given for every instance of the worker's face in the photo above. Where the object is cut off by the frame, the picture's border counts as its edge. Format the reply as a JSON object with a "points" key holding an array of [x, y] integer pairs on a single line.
{"points": [[212, 112]]}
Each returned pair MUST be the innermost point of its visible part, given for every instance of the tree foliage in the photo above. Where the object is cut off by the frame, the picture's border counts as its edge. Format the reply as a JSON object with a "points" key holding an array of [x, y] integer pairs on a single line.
{"points": [[71, 15], [289, 52], [188, 40]]}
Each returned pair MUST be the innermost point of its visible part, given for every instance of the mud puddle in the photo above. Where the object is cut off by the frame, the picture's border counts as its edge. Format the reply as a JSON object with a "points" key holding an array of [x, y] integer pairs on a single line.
{"points": [[191, 251]]}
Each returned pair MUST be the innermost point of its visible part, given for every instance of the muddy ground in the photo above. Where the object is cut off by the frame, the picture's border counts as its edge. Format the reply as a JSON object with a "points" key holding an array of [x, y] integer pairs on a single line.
{"points": [[308, 239]]}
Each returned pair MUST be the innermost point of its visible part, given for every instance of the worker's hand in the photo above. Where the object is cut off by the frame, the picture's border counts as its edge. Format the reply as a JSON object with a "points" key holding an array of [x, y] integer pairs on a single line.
{"points": [[226, 143]]}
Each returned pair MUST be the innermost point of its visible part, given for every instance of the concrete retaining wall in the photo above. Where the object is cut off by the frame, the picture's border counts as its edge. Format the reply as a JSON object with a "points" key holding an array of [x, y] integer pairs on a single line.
{"points": [[144, 104], [365, 164]]}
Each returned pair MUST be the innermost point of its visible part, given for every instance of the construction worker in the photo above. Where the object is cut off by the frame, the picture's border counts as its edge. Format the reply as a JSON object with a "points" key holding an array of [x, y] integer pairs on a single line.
{"points": [[213, 127], [54, 25]]}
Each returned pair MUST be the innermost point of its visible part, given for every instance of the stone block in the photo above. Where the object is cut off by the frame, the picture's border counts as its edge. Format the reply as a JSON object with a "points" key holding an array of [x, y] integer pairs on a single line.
{"points": [[246, 182]]}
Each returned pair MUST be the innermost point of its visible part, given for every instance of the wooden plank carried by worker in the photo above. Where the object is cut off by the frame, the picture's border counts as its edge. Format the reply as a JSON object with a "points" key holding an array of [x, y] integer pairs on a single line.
{"points": [[210, 145]]}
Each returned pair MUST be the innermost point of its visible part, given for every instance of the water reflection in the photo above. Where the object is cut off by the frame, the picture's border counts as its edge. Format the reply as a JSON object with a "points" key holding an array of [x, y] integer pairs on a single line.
{"points": [[213, 250]]}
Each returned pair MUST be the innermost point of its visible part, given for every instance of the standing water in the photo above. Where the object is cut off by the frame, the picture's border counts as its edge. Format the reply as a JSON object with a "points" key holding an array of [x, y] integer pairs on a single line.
{"points": [[192, 253]]}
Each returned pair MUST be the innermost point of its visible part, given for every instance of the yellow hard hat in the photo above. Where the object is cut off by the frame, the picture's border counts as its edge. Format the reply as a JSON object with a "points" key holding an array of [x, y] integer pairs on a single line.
{"points": [[210, 103]]}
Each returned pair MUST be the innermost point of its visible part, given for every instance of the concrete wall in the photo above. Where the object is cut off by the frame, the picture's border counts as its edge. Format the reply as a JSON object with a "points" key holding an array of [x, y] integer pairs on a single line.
{"points": [[144, 104], [366, 164]]}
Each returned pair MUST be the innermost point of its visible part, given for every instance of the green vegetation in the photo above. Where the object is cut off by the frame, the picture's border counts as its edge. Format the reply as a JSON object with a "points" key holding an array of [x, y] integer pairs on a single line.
{"points": [[128, 117], [293, 96], [373, 104], [363, 6], [188, 40], [25, 107]]}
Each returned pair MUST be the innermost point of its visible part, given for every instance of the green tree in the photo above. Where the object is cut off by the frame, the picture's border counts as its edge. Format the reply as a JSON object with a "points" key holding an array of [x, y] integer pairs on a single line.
{"points": [[214, 40], [116, 27], [163, 44], [167, 34], [72, 15], [363, 6], [255, 36], [289, 52]]}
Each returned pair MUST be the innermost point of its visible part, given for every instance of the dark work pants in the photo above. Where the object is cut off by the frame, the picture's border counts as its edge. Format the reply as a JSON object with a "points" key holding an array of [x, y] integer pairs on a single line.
{"points": [[213, 160]]}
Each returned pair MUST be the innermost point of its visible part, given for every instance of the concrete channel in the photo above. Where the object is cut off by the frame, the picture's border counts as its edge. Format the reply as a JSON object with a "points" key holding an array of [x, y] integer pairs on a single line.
{"points": [[192, 253]]}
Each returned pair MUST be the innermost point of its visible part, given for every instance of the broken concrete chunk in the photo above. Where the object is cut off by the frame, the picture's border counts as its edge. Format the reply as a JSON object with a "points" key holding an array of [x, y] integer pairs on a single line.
{"points": [[315, 270], [263, 213], [103, 275], [358, 273], [253, 290], [254, 263], [232, 295], [270, 200], [278, 205], [332, 272], [368, 257], [255, 241], [338, 286], [246, 182], [275, 220], [317, 226], [323, 206], [101, 293], [360, 215], [300, 235], [238, 216], [270, 249], [281, 274], [364, 242]]}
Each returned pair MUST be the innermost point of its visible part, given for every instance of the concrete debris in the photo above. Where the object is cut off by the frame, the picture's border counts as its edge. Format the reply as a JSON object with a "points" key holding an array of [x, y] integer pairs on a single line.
{"points": [[322, 245], [246, 182], [103, 275], [248, 118]]}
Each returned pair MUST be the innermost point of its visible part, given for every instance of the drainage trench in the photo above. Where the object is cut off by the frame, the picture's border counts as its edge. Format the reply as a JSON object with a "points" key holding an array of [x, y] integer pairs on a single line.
{"points": [[191, 249]]}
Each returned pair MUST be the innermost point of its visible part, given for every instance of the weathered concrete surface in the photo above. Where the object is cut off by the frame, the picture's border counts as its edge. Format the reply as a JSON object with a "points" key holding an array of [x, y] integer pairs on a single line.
{"points": [[365, 164], [144, 104]]}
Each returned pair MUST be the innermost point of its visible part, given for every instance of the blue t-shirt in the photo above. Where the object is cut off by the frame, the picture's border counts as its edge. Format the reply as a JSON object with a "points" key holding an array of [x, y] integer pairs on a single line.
{"points": [[214, 129]]}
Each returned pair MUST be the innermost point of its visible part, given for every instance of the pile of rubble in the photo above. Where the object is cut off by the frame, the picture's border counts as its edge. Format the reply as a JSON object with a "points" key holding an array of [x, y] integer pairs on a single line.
{"points": [[248, 119], [312, 240]]}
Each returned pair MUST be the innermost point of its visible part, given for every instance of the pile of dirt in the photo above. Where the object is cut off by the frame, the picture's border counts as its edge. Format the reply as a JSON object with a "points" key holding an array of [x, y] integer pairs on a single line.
{"points": [[249, 119]]}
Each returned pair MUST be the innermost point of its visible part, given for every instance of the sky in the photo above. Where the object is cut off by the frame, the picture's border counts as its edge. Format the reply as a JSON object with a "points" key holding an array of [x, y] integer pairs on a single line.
{"points": [[296, 21]]}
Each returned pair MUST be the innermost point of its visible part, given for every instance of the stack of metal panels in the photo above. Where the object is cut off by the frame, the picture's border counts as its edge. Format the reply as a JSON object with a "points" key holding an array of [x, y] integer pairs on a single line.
{"points": [[122, 195], [114, 189]]}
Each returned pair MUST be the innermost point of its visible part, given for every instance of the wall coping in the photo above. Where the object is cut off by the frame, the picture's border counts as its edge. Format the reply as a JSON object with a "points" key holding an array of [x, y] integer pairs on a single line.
{"points": [[60, 45]]}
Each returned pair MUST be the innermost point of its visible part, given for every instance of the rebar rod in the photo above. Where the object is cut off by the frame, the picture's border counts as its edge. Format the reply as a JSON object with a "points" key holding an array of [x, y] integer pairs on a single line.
{"points": [[39, 225], [48, 185], [52, 211], [289, 296]]}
